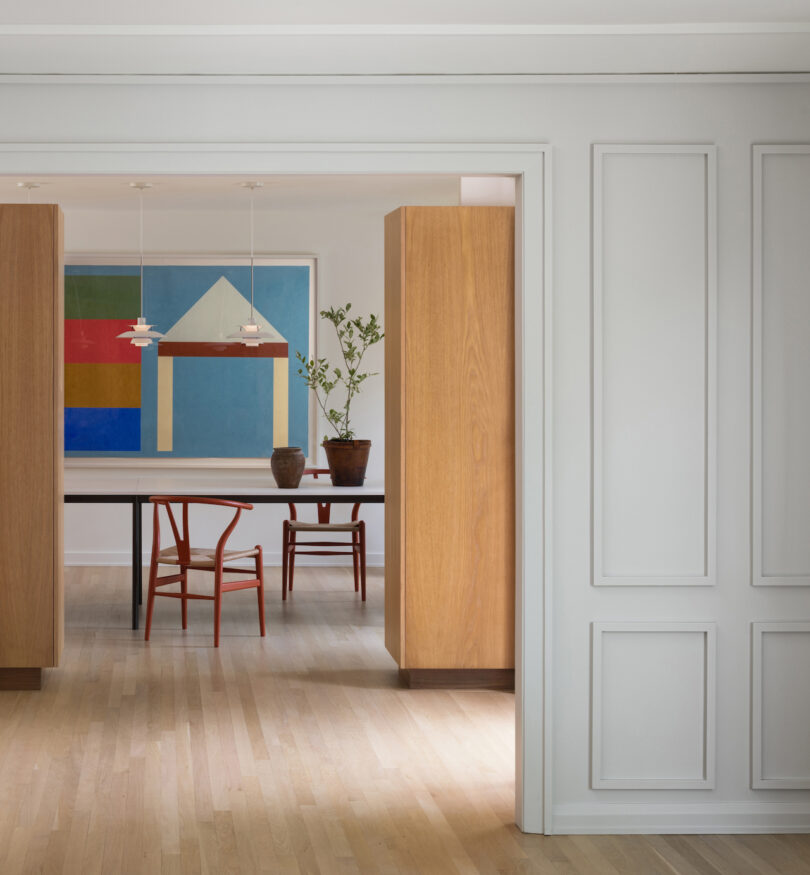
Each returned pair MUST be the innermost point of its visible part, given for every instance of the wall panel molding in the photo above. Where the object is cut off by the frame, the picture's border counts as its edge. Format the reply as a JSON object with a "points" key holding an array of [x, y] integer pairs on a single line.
{"points": [[780, 706], [654, 234], [780, 412], [653, 682]]}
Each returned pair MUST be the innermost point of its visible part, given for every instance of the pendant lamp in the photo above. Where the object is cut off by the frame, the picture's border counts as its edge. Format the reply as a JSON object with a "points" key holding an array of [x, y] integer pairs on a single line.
{"points": [[141, 333], [250, 334], [29, 186]]}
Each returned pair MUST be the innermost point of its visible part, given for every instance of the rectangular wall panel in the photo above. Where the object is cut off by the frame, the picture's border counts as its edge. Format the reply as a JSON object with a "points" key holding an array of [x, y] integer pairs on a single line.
{"points": [[780, 706], [654, 310], [781, 364], [653, 706]]}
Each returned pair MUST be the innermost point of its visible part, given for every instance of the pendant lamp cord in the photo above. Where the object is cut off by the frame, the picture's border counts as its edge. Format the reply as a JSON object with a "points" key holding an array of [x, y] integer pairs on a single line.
{"points": [[251, 255], [140, 239]]}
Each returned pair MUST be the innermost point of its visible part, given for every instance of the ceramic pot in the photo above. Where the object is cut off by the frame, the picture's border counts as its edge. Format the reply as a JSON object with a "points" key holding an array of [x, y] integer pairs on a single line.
{"points": [[287, 465], [347, 461]]}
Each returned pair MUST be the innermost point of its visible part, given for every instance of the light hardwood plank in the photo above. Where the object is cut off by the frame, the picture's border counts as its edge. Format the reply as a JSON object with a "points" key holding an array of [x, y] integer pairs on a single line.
{"points": [[297, 753]]}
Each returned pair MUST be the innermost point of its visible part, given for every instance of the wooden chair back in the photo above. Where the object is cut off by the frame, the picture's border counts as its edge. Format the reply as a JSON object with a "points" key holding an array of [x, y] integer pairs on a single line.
{"points": [[183, 539], [325, 509]]}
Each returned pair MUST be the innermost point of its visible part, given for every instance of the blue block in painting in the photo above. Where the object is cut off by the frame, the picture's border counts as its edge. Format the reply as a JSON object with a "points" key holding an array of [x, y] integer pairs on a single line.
{"points": [[103, 429]]}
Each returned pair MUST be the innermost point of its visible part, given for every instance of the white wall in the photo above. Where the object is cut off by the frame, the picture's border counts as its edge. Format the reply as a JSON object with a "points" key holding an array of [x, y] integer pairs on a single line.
{"points": [[696, 644], [348, 242]]}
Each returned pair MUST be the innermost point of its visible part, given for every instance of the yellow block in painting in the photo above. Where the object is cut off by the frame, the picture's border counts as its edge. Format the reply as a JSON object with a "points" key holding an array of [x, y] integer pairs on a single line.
{"points": [[102, 385], [281, 401], [165, 404]]}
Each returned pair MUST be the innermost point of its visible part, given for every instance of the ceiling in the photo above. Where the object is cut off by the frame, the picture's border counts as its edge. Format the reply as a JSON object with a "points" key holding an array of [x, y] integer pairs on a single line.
{"points": [[420, 37], [227, 192]]}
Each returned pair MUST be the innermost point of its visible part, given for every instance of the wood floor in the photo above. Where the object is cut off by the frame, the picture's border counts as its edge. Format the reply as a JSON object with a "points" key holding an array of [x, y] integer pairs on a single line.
{"points": [[297, 753]]}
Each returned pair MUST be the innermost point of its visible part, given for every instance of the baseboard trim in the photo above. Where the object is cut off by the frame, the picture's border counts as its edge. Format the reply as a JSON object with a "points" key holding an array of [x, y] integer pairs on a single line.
{"points": [[698, 818], [20, 678], [458, 678], [80, 557]]}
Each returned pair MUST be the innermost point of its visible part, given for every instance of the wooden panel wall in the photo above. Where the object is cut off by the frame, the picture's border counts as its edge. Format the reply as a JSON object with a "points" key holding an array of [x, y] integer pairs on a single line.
{"points": [[30, 470], [458, 437]]}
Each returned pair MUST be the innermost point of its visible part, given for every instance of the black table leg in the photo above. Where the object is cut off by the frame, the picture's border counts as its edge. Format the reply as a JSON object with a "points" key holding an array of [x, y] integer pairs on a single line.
{"points": [[140, 554], [139, 501], [137, 570]]}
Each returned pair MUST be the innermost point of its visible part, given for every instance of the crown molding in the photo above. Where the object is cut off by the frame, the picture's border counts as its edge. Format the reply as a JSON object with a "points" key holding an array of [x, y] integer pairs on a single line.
{"points": [[406, 30], [771, 78], [404, 50]]}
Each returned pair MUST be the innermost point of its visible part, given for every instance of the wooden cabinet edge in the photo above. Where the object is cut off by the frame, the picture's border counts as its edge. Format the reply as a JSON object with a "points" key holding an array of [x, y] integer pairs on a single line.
{"points": [[394, 233], [59, 431]]}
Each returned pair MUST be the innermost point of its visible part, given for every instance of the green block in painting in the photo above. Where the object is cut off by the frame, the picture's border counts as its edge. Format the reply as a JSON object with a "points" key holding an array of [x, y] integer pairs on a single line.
{"points": [[102, 297]]}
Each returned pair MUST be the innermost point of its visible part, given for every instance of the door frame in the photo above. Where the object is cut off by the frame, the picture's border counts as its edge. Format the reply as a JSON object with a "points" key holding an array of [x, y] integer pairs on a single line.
{"points": [[531, 165]]}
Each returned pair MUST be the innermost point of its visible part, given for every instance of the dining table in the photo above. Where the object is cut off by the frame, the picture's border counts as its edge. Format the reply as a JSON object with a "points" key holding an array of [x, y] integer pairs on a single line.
{"points": [[98, 487]]}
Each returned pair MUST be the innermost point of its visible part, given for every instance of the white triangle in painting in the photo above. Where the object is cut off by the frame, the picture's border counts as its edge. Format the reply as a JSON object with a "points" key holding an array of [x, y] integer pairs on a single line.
{"points": [[218, 313]]}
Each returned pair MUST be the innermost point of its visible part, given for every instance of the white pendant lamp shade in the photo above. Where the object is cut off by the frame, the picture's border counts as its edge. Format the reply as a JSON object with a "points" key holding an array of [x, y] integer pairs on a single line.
{"points": [[250, 334], [141, 334]]}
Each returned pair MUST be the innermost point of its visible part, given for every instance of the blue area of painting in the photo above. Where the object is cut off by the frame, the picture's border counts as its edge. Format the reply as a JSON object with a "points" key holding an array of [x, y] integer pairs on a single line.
{"points": [[223, 407], [218, 408], [103, 429]]}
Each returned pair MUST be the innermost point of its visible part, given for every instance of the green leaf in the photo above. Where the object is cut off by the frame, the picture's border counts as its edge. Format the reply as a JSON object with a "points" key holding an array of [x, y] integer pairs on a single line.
{"points": [[354, 336]]}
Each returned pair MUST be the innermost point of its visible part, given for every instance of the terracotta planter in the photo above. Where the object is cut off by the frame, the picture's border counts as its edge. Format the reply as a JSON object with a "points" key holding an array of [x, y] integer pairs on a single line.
{"points": [[287, 465], [347, 461]]}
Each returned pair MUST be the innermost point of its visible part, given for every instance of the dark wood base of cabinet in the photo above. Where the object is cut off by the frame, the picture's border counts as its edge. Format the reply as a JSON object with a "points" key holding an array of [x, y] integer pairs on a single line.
{"points": [[458, 678], [20, 678]]}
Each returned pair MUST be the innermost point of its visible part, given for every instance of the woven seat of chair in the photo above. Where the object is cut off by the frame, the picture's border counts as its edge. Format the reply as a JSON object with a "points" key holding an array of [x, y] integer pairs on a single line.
{"points": [[351, 526], [204, 557]]}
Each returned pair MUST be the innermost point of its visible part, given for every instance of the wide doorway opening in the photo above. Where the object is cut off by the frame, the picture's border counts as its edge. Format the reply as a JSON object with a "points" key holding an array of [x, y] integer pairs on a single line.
{"points": [[335, 699]]}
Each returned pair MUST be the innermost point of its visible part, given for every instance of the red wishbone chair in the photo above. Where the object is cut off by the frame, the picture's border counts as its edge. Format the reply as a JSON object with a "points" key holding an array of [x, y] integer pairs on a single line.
{"points": [[356, 547], [200, 559]]}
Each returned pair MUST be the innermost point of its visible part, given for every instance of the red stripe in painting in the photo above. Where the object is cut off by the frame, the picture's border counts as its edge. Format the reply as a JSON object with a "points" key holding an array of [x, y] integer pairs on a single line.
{"points": [[223, 350], [95, 340]]}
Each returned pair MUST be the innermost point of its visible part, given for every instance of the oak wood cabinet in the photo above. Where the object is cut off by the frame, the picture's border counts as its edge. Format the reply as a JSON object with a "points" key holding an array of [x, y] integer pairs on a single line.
{"points": [[450, 441], [31, 442]]}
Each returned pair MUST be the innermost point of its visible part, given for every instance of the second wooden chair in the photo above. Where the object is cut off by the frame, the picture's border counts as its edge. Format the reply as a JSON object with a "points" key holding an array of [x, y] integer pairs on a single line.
{"points": [[291, 545]]}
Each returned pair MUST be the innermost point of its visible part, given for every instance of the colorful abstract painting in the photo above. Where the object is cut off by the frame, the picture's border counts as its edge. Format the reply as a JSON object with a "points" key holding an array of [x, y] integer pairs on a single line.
{"points": [[195, 393], [102, 374]]}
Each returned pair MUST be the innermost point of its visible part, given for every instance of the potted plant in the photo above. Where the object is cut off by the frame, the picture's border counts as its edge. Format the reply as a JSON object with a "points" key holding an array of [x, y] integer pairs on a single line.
{"points": [[346, 456]]}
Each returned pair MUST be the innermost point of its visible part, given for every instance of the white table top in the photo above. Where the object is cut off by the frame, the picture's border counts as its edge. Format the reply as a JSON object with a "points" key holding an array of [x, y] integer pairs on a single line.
{"points": [[196, 482]]}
